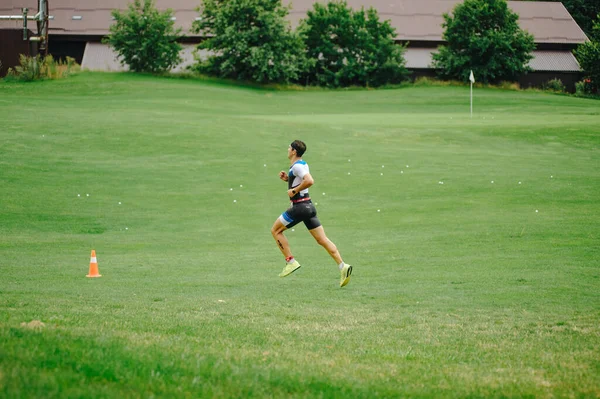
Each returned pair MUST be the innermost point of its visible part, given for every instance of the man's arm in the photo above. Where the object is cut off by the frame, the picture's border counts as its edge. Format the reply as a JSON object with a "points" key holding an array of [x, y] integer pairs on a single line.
{"points": [[307, 181]]}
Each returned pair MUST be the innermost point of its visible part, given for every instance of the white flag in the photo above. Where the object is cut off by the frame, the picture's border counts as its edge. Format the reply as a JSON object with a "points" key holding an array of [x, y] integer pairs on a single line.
{"points": [[472, 78]]}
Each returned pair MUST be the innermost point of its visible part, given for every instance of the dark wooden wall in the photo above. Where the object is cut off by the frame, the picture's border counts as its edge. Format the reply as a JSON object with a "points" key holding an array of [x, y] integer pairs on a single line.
{"points": [[11, 46]]}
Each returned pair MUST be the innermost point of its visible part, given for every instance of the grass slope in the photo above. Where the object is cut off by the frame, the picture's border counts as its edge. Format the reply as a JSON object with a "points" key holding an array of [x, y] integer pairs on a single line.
{"points": [[460, 289]]}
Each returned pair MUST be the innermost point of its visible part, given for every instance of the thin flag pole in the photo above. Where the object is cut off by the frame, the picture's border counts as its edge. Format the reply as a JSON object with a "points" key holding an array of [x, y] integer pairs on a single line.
{"points": [[472, 80]]}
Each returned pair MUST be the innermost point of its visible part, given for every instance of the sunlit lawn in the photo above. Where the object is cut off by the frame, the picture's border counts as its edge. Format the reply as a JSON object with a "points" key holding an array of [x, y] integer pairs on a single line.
{"points": [[475, 242]]}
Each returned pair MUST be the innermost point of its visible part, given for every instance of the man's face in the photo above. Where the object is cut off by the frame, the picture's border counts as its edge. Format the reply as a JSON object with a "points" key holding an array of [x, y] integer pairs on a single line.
{"points": [[291, 152]]}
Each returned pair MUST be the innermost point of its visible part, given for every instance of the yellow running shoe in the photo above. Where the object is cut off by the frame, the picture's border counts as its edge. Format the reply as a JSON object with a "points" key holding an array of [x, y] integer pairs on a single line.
{"points": [[290, 268], [345, 274]]}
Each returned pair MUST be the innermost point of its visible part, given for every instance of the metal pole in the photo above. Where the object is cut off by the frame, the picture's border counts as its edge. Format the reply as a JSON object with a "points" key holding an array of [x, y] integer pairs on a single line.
{"points": [[46, 25], [42, 23], [41, 11], [471, 100], [43, 26], [16, 17], [24, 23]]}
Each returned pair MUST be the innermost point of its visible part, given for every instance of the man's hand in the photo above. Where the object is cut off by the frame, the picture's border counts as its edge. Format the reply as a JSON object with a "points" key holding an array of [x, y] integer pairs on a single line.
{"points": [[292, 192], [283, 176]]}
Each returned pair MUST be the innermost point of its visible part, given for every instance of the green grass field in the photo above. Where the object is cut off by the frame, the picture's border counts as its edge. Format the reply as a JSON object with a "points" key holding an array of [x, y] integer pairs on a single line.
{"points": [[463, 289]]}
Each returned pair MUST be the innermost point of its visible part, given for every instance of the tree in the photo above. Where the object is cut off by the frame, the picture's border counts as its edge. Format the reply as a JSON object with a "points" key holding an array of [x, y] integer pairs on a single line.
{"points": [[350, 47], [249, 40], [483, 36], [588, 55], [145, 38]]}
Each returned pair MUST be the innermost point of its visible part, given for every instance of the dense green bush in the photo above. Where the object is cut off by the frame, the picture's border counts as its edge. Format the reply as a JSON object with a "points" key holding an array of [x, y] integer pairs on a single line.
{"points": [[555, 85], [249, 40], [350, 47], [483, 36], [40, 68], [580, 88], [588, 55], [145, 38], [29, 69]]}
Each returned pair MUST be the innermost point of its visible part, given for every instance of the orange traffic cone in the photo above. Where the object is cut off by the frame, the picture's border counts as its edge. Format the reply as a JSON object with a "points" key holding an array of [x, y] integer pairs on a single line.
{"points": [[93, 266]]}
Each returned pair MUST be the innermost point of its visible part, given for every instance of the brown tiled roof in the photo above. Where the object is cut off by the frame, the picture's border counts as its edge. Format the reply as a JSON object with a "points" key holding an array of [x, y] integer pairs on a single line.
{"points": [[548, 22], [414, 20], [418, 58], [101, 57], [555, 61]]}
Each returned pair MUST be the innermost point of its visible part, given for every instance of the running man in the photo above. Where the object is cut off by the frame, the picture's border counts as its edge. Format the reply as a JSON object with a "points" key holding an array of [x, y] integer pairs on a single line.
{"points": [[303, 210]]}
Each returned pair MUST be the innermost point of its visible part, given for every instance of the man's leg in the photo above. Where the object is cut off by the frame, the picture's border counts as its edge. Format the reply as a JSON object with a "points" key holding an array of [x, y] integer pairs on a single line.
{"points": [[282, 242], [319, 234], [345, 270], [291, 264]]}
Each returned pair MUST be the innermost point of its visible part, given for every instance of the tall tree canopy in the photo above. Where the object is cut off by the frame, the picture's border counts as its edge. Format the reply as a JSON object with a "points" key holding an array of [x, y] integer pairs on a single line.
{"points": [[588, 55], [145, 38], [483, 36], [249, 40], [349, 47]]}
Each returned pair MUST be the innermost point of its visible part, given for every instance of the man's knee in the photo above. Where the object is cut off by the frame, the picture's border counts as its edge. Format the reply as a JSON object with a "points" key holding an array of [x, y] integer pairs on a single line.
{"points": [[323, 241], [276, 229]]}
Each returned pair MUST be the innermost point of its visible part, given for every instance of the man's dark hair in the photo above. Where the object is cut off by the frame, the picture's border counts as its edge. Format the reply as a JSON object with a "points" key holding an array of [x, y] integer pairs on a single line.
{"points": [[299, 146]]}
